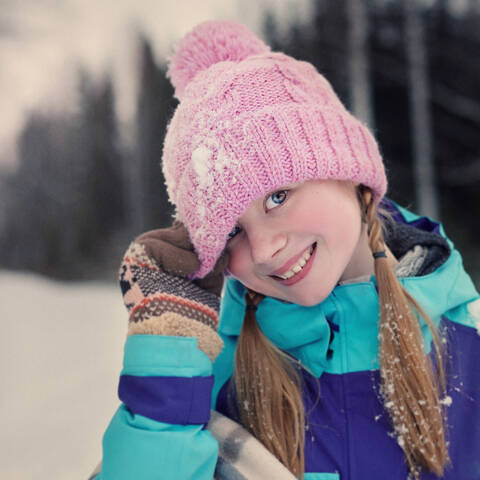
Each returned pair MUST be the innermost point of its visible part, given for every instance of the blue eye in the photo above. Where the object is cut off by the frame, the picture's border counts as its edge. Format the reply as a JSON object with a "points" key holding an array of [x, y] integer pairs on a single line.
{"points": [[236, 229], [277, 198]]}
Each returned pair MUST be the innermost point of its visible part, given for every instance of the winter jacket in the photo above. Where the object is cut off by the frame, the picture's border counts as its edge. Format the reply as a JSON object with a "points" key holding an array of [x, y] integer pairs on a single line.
{"points": [[162, 432]]}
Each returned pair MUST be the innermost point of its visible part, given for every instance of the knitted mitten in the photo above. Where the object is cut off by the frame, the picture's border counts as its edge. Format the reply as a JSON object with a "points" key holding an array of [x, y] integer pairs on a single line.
{"points": [[160, 298]]}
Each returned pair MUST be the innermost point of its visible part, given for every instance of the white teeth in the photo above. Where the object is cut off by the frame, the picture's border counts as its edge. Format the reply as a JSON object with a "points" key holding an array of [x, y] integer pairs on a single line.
{"points": [[298, 266]]}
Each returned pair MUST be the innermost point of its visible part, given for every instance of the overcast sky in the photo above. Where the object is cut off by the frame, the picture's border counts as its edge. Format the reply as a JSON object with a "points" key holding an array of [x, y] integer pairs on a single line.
{"points": [[43, 41]]}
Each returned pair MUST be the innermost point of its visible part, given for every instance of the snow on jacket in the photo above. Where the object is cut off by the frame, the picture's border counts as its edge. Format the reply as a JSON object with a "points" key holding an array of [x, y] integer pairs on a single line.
{"points": [[348, 435]]}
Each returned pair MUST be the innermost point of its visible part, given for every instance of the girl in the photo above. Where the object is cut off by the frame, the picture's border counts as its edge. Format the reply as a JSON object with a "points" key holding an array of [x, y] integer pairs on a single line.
{"points": [[346, 342]]}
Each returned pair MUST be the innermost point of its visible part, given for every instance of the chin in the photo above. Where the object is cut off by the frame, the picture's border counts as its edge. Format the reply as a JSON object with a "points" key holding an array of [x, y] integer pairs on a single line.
{"points": [[308, 300], [305, 297], [314, 296]]}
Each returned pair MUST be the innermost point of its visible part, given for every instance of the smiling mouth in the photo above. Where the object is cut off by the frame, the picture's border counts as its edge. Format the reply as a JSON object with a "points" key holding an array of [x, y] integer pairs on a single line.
{"points": [[299, 269]]}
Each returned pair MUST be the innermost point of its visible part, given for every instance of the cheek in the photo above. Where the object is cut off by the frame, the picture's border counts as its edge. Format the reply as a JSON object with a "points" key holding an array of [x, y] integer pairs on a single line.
{"points": [[239, 263], [305, 217], [317, 218], [335, 218]]}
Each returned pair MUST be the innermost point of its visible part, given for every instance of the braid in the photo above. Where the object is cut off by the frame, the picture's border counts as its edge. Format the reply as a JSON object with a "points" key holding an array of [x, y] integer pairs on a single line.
{"points": [[410, 391], [268, 392]]}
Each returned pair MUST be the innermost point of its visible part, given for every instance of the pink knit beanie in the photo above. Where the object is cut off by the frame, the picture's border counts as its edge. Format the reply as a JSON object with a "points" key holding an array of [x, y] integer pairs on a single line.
{"points": [[250, 121]]}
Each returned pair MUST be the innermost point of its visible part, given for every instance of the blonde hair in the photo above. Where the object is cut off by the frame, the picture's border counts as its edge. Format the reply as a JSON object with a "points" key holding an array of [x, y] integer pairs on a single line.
{"points": [[268, 385]]}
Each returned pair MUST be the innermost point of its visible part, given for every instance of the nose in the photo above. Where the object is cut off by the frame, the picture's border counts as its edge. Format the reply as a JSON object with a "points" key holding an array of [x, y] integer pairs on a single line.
{"points": [[265, 245]]}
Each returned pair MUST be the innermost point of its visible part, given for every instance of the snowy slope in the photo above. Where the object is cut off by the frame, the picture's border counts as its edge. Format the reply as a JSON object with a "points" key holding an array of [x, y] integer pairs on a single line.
{"points": [[61, 349]]}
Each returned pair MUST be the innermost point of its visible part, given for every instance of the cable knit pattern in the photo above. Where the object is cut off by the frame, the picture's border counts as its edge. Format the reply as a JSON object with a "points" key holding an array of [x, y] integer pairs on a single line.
{"points": [[251, 121]]}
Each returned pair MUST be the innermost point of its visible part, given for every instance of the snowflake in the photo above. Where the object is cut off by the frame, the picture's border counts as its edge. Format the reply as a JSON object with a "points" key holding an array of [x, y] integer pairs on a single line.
{"points": [[446, 401]]}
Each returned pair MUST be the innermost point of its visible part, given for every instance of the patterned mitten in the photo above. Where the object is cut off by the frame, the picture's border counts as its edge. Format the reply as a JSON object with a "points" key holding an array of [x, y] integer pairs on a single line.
{"points": [[160, 298]]}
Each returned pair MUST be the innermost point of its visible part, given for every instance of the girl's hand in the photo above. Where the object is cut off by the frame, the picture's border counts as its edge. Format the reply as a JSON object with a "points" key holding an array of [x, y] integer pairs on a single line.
{"points": [[172, 250], [160, 298]]}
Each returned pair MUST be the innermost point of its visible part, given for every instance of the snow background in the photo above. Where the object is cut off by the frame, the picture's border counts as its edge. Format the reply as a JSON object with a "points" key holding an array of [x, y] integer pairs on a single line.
{"points": [[60, 360]]}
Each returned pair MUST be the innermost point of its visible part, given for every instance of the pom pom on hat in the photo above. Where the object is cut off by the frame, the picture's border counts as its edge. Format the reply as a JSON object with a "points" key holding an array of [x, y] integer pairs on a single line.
{"points": [[211, 42]]}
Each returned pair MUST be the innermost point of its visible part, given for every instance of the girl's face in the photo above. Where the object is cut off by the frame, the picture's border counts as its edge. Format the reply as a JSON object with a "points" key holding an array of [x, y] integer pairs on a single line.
{"points": [[298, 242]]}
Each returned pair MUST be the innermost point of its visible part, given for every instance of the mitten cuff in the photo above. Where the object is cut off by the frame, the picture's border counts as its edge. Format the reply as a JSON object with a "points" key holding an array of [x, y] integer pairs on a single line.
{"points": [[173, 324]]}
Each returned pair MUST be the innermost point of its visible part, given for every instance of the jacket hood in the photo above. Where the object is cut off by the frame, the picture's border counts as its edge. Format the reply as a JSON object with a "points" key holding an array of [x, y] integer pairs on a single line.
{"points": [[340, 334]]}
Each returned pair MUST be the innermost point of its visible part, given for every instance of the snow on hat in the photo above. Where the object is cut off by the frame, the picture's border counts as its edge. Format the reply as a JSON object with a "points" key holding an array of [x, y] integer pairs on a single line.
{"points": [[250, 121]]}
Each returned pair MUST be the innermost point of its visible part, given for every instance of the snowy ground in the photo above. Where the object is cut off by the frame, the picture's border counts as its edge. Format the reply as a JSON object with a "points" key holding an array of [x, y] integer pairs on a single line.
{"points": [[61, 350]]}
